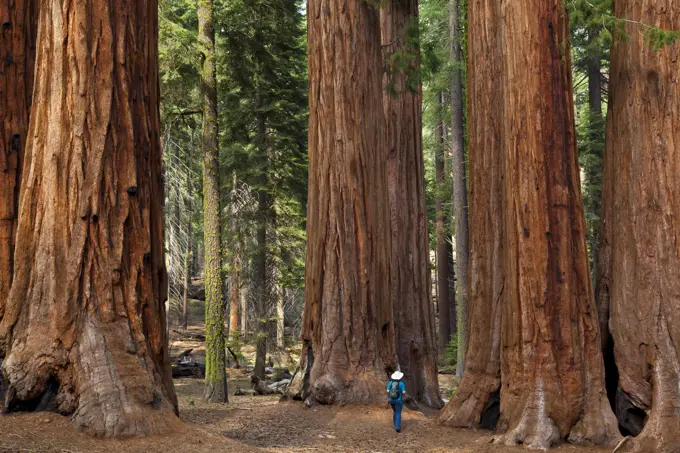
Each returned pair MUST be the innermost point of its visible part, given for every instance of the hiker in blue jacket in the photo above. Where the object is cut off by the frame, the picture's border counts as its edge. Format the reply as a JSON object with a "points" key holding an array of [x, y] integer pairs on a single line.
{"points": [[396, 391]]}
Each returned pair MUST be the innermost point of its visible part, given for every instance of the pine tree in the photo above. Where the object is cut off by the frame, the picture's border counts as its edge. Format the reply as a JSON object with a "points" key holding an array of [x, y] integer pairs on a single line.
{"points": [[215, 369]]}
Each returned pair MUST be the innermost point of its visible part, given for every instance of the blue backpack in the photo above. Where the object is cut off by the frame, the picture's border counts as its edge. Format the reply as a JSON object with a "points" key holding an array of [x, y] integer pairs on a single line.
{"points": [[395, 392]]}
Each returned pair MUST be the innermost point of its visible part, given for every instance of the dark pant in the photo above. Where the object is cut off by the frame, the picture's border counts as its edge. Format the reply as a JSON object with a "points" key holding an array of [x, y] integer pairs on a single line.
{"points": [[396, 418]]}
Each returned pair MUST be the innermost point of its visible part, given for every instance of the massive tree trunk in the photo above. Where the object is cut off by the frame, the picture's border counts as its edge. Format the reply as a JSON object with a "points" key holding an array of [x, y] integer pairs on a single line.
{"points": [[84, 328], [442, 252], [18, 19], [348, 327], [410, 284], [551, 363], [476, 400], [215, 360], [552, 369], [460, 199], [641, 227]]}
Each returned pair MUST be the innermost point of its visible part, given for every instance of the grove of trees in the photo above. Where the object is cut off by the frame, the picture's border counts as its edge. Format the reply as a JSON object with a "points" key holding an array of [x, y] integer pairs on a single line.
{"points": [[444, 186]]}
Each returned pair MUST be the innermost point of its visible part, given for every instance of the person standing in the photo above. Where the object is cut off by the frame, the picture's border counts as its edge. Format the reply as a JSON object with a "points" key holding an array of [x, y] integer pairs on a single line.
{"points": [[396, 391]]}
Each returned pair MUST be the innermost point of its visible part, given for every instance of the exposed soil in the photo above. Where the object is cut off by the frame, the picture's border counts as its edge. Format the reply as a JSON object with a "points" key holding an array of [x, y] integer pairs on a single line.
{"points": [[250, 424], [259, 423]]}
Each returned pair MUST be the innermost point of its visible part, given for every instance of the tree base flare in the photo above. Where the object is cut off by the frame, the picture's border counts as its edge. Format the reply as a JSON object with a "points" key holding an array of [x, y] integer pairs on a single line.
{"points": [[108, 392], [360, 387], [475, 403], [535, 430]]}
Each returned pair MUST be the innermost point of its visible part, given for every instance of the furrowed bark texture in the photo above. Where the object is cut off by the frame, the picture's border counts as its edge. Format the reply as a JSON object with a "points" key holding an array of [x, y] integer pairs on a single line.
{"points": [[215, 359], [443, 298], [552, 369], [476, 400], [348, 329], [84, 328], [18, 28], [410, 285], [643, 162], [460, 196]]}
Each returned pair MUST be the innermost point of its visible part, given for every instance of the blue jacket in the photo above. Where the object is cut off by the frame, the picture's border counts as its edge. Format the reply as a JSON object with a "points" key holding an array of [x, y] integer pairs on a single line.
{"points": [[402, 389]]}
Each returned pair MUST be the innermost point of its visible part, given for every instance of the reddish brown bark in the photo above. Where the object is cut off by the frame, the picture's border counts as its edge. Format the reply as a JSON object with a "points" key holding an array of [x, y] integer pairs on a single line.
{"points": [[552, 369], [84, 329], [477, 394], [410, 285], [18, 28], [641, 228], [348, 328], [552, 372]]}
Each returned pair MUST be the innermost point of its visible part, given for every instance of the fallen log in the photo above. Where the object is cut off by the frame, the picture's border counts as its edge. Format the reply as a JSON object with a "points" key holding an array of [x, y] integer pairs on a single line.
{"points": [[280, 385], [261, 387], [188, 335], [247, 392], [188, 369]]}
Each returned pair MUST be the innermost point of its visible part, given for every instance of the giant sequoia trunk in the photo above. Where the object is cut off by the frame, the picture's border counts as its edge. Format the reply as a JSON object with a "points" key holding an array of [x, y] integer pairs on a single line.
{"points": [[18, 19], [84, 328], [641, 229], [552, 370], [348, 328], [410, 285], [460, 199], [215, 355], [476, 400]]}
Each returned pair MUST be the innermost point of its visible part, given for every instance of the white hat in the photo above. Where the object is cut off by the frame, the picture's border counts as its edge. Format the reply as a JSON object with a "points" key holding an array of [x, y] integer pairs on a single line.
{"points": [[397, 375]]}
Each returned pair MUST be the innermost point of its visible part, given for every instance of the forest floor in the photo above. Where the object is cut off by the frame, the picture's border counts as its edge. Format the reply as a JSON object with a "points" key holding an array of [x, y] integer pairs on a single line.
{"points": [[259, 423]]}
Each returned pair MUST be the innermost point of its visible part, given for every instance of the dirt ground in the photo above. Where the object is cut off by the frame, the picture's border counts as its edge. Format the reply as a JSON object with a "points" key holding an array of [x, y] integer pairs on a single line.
{"points": [[258, 424]]}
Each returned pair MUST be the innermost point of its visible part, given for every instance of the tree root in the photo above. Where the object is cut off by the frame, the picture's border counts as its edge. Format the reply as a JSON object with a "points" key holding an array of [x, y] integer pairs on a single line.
{"points": [[620, 444]]}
